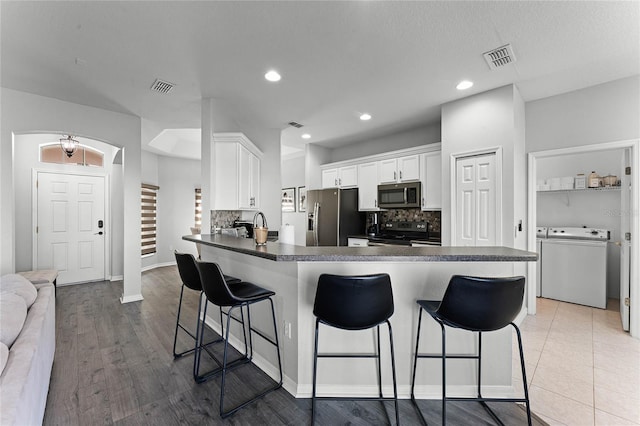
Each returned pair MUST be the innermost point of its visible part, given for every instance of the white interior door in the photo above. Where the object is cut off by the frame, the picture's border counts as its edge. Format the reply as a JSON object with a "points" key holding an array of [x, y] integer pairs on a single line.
{"points": [[625, 246], [69, 236], [476, 201]]}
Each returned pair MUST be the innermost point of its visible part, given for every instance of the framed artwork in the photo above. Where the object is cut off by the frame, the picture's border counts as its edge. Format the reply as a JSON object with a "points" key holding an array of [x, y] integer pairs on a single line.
{"points": [[288, 199], [302, 199]]}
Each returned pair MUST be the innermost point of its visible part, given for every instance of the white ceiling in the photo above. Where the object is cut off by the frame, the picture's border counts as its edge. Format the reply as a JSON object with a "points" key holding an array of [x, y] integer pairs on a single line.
{"points": [[399, 61]]}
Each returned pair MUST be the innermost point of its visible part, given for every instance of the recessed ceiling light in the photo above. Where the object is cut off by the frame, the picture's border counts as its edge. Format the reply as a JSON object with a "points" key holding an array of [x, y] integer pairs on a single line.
{"points": [[464, 84], [365, 117], [272, 76], [306, 136]]}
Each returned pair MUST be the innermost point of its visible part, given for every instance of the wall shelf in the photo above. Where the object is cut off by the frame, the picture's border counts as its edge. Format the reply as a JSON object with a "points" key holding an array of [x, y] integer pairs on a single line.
{"points": [[561, 191]]}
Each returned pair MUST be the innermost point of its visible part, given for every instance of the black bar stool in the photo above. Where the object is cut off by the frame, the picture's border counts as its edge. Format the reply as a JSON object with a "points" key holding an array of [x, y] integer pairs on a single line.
{"points": [[239, 295], [474, 304], [354, 303], [191, 279]]}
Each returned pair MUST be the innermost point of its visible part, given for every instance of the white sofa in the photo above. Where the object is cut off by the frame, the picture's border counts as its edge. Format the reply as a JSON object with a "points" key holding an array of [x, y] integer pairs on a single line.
{"points": [[25, 376]]}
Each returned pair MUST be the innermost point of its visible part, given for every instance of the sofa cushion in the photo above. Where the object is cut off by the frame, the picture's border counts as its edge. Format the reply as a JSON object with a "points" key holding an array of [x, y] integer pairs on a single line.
{"points": [[4, 356], [14, 283], [13, 312]]}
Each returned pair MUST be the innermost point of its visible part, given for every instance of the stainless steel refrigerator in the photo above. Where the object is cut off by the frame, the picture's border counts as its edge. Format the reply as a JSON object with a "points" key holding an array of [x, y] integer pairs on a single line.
{"points": [[332, 216]]}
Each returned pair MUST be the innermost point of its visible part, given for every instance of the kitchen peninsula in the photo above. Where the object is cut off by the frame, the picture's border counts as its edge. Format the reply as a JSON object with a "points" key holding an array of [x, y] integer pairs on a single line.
{"points": [[416, 273]]}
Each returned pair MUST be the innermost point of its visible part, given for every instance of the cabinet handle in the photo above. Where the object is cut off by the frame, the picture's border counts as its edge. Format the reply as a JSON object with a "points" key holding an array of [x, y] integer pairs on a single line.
{"points": [[400, 174], [335, 181], [422, 201], [375, 203], [339, 181], [394, 175]]}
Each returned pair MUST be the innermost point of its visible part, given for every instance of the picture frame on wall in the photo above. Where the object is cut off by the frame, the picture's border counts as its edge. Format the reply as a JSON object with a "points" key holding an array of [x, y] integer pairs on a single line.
{"points": [[302, 199], [288, 199]]}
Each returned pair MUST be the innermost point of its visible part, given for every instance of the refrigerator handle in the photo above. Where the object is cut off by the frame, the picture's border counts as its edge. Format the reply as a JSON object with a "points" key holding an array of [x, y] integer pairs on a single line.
{"points": [[316, 210]]}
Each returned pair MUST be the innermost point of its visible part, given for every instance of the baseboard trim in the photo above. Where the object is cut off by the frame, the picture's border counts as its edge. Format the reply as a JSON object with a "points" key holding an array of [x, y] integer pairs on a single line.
{"points": [[132, 298], [158, 265], [116, 278]]}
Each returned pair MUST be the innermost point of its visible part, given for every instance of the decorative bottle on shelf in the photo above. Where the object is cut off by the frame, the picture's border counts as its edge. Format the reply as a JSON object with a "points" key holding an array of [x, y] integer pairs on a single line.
{"points": [[594, 180]]}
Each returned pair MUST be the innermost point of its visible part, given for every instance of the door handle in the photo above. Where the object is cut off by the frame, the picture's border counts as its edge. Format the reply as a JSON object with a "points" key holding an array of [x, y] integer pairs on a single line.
{"points": [[99, 233]]}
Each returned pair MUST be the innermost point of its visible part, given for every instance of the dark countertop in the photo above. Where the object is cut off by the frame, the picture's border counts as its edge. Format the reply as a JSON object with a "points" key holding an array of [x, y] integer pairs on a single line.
{"points": [[290, 253]]}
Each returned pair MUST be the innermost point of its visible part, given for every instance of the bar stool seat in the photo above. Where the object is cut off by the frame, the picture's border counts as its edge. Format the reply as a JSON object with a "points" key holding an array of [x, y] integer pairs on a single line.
{"points": [[479, 305], [237, 296], [354, 303], [191, 279]]}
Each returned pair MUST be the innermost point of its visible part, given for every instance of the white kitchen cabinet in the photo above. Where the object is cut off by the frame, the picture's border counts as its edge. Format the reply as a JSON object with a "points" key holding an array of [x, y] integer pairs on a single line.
{"points": [[402, 169], [248, 179], [340, 177], [431, 179], [368, 186], [237, 173]]}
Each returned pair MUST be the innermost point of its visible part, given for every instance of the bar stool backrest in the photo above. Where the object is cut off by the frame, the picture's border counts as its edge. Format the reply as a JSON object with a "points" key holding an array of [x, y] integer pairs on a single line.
{"points": [[214, 285], [353, 302], [188, 270], [481, 304]]}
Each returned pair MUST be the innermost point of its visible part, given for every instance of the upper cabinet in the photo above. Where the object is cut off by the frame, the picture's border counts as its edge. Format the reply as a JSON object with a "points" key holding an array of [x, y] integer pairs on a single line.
{"points": [[418, 164], [340, 177], [237, 173], [368, 187], [431, 178], [402, 169]]}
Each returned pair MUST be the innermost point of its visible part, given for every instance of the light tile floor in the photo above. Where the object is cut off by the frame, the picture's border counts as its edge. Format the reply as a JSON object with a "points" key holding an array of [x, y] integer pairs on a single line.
{"points": [[582, 369]]}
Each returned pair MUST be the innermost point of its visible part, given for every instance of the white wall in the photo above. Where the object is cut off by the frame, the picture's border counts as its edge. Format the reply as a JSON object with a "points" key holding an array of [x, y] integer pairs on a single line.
{"points": [[487, 120], [315, 156], [406, 139], [293, 175], [27, 113], [26, 159], [603, 113], [178, 179]]}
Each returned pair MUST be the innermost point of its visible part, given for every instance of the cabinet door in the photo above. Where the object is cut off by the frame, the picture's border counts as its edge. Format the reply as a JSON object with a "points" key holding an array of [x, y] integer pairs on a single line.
{"points": [[431, 178], [330, 178], [387, 171], [348, 177], [244, 177], [254, 199], [368, 187], [409, 168], [226, 177]]}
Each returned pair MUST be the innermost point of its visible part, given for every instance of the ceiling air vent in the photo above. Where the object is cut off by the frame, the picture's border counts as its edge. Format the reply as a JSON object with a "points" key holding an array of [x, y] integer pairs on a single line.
{"points": [[499, 57], [161, 86], [296, 125]]}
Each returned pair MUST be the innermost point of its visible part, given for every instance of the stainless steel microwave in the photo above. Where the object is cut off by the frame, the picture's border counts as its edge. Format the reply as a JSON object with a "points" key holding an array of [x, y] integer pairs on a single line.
{"points": [[399, 195]]}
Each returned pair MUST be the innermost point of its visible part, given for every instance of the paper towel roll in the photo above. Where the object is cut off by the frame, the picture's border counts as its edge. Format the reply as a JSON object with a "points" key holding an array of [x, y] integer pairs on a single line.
{"points": [[287, 234]]}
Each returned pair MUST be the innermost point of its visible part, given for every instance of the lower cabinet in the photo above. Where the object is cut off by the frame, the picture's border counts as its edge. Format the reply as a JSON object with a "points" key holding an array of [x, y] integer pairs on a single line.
{"points": [[357, 242]]}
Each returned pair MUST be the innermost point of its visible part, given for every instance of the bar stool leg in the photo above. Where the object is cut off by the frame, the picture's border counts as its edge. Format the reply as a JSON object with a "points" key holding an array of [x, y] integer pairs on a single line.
{"points": [[378, 359], [524, 374], [200, 339], [224, 361], [175, 336], [315, 370], [415, 367], [393, 372], [444, 376]]}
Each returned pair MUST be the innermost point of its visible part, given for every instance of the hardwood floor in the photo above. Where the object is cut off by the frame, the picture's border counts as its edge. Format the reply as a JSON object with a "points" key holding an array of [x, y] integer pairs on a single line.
{"points": [[114, 365]]}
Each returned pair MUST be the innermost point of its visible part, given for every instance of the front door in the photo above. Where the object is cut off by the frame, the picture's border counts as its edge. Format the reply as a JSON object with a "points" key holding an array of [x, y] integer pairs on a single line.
{"points": [[70, 226]]}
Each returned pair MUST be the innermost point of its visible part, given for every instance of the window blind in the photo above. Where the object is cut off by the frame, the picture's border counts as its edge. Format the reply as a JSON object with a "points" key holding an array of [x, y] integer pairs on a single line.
{"points": [[148, 199], [198, 221]]}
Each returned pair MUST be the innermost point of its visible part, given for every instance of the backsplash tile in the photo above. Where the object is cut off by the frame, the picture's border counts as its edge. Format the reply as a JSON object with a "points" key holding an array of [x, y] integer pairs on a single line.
{"points": [[223, 218], [410, 215]]}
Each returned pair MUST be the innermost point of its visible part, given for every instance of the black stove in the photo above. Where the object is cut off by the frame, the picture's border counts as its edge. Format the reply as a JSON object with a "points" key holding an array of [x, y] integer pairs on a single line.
{"points": [[402, 233]]}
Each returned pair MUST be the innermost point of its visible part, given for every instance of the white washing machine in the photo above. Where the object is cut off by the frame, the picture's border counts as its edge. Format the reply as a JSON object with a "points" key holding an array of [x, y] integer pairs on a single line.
{"points": [[574, 265]]}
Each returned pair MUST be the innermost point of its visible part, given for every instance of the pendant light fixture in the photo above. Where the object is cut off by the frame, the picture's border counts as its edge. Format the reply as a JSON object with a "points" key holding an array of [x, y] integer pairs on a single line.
{"points": [[69, 145]]}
